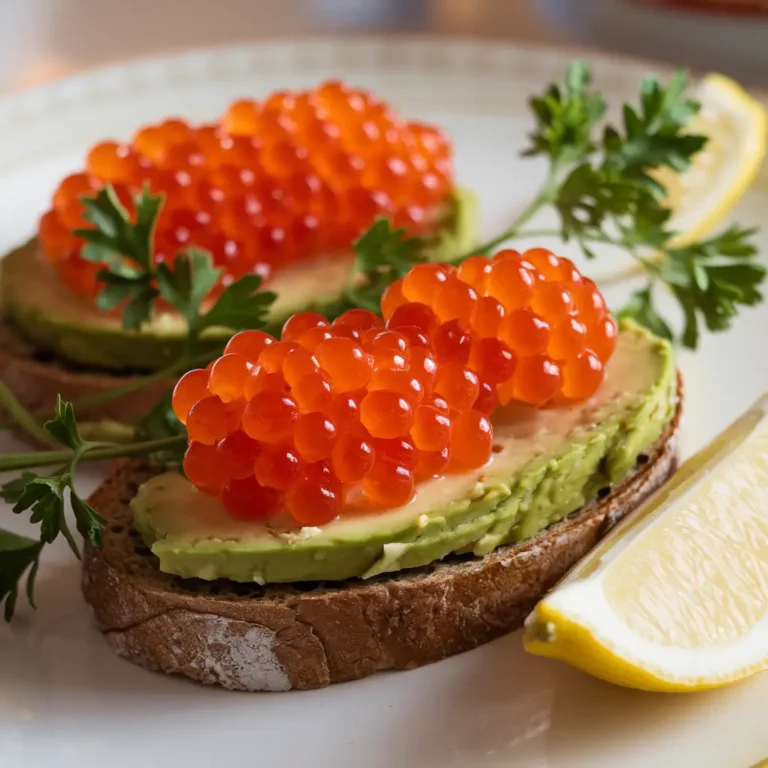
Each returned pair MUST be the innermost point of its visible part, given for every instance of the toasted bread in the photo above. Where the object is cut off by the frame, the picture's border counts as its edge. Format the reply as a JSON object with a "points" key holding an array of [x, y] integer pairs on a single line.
{"points": [[282, 637], [36, 379]]}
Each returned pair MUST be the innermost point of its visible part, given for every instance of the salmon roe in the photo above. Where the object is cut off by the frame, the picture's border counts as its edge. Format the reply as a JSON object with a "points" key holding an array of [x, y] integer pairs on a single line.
{"points": [[296, 175], [365, 408]]}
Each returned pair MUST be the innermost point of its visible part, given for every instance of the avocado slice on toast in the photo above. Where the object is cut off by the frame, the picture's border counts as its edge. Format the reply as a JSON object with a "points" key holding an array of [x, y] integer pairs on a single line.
{"points": [[547, 464], [44, 313]]}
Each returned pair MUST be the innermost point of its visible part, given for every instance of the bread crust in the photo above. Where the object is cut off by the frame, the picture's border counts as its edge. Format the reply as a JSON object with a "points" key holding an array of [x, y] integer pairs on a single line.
{"points": [[284, 637], [36, 382]]}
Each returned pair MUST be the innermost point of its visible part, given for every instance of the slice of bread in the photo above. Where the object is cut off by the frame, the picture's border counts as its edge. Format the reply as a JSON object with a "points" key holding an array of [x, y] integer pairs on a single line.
{"points": [[36, 380], [281, 637]]}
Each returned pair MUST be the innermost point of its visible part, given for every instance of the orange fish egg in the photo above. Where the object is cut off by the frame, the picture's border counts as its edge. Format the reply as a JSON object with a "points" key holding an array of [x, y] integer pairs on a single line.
{"points": [[362, 410]]}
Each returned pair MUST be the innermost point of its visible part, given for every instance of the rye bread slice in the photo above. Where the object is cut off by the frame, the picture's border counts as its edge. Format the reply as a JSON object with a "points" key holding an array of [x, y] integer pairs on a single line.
{"points": [[36, 379], [282, 637]]}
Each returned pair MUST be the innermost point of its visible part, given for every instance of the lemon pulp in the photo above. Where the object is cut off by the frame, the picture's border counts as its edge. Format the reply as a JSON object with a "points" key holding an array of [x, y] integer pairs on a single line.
{"points": [[677, 597]]}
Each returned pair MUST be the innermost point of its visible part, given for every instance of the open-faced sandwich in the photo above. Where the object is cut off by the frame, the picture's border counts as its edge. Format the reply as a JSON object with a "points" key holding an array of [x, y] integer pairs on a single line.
{"points": [[378, 493], [279, 189]]}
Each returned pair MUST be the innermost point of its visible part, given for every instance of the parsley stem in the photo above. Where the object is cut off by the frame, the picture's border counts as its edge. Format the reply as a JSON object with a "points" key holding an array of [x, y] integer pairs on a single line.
{"points": [[70, 539], [512, 231], [525, 233], [31, 424], [133, 385], [183, 364], [94, 452], [22, 416], [543, 198]]}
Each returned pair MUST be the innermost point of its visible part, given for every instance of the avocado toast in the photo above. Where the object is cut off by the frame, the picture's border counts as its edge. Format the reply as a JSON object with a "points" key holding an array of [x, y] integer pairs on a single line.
{"points": [[433, 587], [312, 634], [278, 190]]}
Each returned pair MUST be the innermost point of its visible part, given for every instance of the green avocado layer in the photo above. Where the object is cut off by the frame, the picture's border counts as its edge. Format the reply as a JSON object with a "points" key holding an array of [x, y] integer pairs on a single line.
{"points": [[548, 463], [40, 308]]}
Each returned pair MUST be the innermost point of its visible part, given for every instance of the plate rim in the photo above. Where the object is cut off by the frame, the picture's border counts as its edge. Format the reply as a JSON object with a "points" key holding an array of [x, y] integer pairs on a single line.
{"points": [[559, 49], [22, 98]]}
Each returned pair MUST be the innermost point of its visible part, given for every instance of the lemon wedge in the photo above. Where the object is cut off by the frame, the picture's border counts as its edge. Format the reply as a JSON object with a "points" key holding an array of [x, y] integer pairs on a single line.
{"points": [[676, 597], [737, 127]]}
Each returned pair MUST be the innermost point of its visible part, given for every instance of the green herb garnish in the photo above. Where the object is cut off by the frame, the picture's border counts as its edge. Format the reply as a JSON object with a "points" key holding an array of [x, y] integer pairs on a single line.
{"points": [[382, 255], [604, 185], [18, 555], [44, 496], [132, 279], [125, 249]]}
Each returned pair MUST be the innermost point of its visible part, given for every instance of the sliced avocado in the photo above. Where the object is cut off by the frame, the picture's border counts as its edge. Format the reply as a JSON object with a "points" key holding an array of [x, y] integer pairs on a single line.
{"points": [[42, 310], [548, 463]]}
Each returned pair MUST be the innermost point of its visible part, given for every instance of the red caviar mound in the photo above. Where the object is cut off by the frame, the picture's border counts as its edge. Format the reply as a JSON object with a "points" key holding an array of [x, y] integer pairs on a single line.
{"points": [[529, 327], [295, 175], [368, 407], [300, 423]]}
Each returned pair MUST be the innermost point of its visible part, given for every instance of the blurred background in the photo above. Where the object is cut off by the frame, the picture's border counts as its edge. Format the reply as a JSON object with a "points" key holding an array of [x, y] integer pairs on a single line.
{"points": [[45, 39]]}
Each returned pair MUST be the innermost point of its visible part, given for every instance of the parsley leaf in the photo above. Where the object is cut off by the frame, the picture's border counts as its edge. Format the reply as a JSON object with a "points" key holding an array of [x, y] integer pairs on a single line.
{"points": [[116, 237], [18, 555], [710, 279], [44, 495], [89, 522], [136, 293], [382, 255], [566, 116], [241, 306], [63, 426], [132, 280], [188, 283], [654, 137], [641, 309], [11, 491], [124, 246], [590, 198]]}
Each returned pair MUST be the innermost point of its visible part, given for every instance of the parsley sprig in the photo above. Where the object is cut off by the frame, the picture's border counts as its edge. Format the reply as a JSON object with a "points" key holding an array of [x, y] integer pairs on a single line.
{"points": [[132, 280], [710, 280], [124, 247], [123, 244], [382, 255], [45, 496], [18, 555], [605, 182]]}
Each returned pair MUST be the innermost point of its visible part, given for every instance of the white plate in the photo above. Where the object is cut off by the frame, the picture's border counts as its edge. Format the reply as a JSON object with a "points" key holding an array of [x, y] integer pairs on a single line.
{"points": [[66, 701]]}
